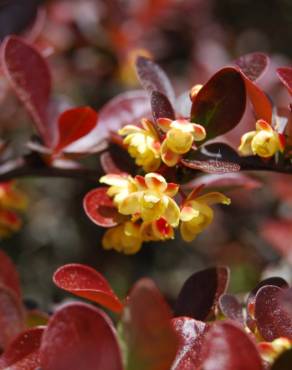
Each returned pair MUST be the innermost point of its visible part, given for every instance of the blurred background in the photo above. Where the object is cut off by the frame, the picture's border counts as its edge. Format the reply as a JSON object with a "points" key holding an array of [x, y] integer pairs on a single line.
{"points": [[90, 46]]}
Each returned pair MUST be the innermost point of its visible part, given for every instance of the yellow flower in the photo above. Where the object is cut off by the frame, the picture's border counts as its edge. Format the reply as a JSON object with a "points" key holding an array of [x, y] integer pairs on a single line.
{"points": [[264, 142], [156, 230], [143, 144], [180, 136], [196, 213], [271, 350], [152, 200], [120, 186], [125, 238]]}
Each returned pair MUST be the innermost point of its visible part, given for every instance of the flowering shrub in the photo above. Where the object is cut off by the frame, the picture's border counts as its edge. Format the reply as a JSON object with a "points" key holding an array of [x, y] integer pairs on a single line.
{"points": [[164, 164]]}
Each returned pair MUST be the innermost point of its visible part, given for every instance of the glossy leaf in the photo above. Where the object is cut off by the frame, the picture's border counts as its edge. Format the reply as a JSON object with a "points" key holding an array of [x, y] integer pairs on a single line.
{"points": [[271, 317], [250, 303], [77, 337], [86, 282], [253, 65], [285, 75], [99, 208], [198, 303], [19, 60], [231, 308], [124, 109], [11, 316], [161, 107], [262, 106], [220, 103], [152, 342], [23, 352], [74, 124], [153, 78], [228, 347], [8, 274], [191, 335], [211, 166], [283, 362]]}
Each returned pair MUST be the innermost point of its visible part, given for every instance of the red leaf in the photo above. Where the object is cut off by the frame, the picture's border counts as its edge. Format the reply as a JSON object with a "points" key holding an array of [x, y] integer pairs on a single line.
{"points": [[253, 65], [11, 316], [211, 166], [73, 124], [86, 282], [198, 303], [152, 342], [250, 302], [126, 108], [231, 308], [261, 104], [30, 78], [191, 335], [77, 337], [99, 208], [285, 75], [8, 274], [230, 348], [220, 103], [153, 78], [22, 353], [272, 319]]}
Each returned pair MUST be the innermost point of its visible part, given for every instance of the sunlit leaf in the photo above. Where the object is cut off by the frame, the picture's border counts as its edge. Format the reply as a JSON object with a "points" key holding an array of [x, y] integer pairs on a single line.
{"points": [[86, 282], [262, 106], [23, 352], [198, 303], [271, 317], [228, 347], [74, 124], [77, 337], [191, 335], [220, 103], [152, 342]]}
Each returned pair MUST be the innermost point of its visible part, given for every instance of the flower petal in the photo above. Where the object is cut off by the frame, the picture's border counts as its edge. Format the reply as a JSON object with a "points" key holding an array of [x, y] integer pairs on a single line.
{"points": [[131, 204], [188, 213], [172, 213], [245, 144], [164, 124], [214, 198], [156, 182], [168, 156]]}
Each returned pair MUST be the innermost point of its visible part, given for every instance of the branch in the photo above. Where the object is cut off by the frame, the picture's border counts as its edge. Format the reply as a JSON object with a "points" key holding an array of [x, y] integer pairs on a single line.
{"points": [[31, 165]]}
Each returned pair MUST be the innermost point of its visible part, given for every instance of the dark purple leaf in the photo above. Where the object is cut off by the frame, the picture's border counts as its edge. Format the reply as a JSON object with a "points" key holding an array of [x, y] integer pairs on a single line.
{"points": [[191, 335], [231, 308], [152, 342], [153, 78], [250, 303], [230, 348], [77, 337], [29, 76], [272, 319], [253, 65], [220, 103], [198, 303], [161, 107]]}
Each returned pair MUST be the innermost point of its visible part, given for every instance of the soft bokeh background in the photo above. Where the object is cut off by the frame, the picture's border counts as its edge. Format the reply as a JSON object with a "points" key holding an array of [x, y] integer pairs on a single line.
{"points": [[90, 46]]}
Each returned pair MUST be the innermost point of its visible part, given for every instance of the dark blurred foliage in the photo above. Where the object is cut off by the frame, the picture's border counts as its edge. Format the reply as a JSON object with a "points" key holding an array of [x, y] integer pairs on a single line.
{"points": [[90, 46]]}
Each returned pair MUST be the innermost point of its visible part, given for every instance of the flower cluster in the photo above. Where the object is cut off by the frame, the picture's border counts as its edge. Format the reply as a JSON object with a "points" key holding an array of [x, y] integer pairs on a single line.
{"points": [[264, 141], [151, 212], [145, 145]]}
